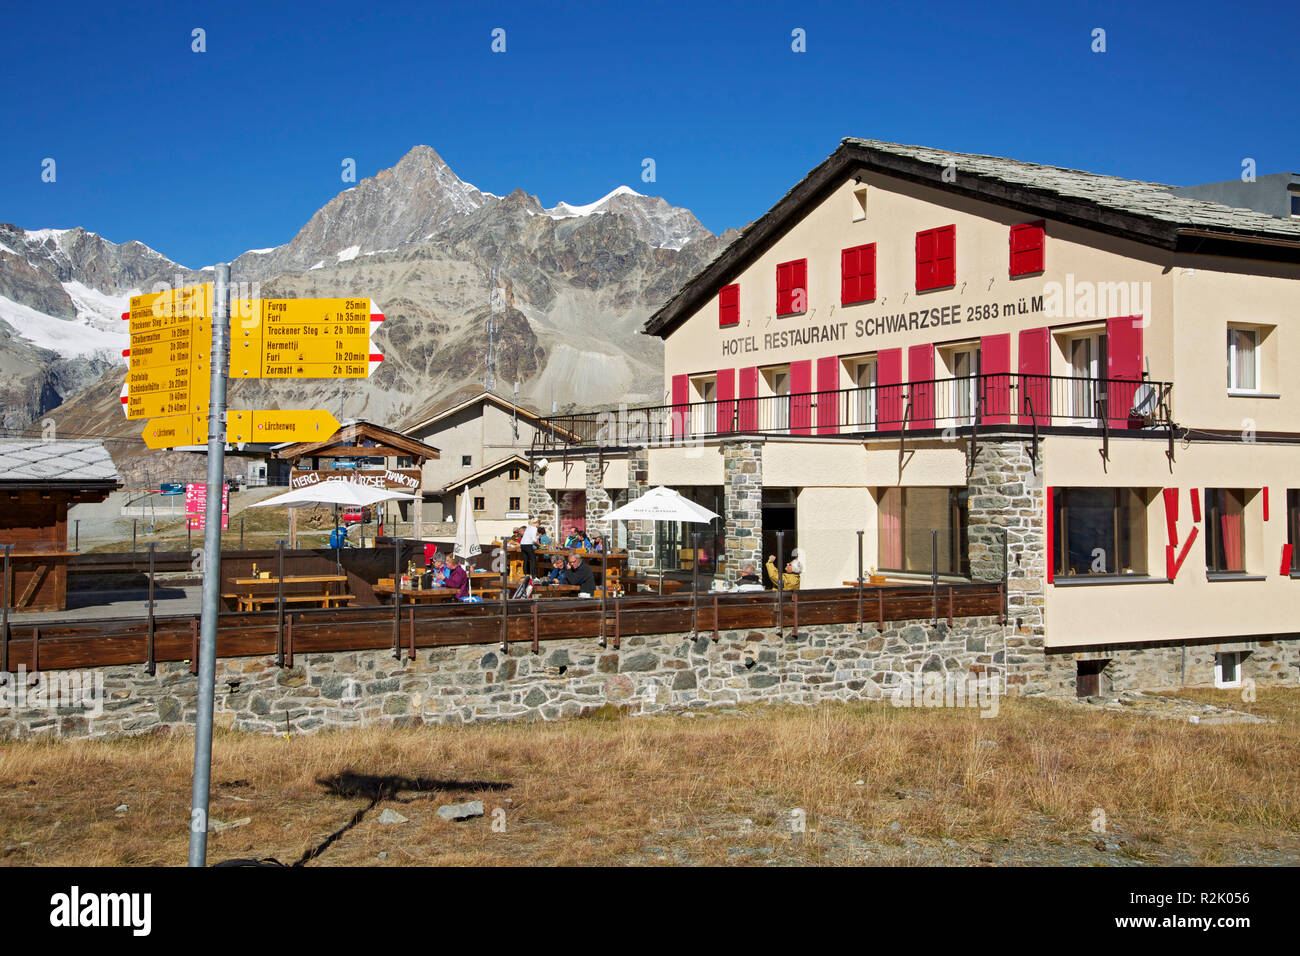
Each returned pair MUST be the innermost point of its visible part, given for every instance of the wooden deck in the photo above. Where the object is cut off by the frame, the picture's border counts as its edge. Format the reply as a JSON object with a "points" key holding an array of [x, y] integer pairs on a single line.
{"points": [[85, 642]]}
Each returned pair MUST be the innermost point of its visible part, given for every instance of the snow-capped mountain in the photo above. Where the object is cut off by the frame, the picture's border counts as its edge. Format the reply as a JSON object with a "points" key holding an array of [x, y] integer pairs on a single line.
{"points": [[578, 282]]}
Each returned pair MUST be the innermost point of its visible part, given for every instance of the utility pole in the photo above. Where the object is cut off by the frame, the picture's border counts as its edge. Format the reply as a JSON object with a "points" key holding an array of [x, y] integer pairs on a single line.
{"points": [[218, 362]]}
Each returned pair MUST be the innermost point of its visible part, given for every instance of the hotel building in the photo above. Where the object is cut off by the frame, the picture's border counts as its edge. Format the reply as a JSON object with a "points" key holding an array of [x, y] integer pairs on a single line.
{"points": [[936, 359]]}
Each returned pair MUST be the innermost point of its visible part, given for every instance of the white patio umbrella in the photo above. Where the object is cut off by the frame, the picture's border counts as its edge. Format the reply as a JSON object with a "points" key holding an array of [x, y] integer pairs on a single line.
{"points": [[334, 491], [466, 545], [663, 504]]}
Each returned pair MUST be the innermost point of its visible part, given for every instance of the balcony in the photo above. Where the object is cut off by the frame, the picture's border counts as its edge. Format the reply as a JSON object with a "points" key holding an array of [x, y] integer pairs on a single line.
{"points": [[1002, 401]]}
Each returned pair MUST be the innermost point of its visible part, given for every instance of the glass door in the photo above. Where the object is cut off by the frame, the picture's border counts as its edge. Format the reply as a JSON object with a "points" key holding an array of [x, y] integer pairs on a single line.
{"points": [[965, 380], [864, 398], [780, 379], [1087, 354]]}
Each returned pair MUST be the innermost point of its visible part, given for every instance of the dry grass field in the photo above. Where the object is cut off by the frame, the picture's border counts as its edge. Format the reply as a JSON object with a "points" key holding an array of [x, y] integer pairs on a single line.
{"points": [[842, 784]]}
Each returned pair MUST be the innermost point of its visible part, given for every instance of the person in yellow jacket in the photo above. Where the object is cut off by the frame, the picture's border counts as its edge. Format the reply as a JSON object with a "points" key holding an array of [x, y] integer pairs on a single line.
{"points": [[789, 580]]}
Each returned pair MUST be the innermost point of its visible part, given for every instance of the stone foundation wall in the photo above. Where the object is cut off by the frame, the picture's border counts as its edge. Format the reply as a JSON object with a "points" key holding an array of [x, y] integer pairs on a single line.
{"points": [[456, 685], [1269, 663]]}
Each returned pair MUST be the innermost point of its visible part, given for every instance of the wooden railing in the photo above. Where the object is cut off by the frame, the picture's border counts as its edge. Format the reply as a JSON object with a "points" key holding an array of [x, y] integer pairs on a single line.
{"points": [[408, 629]]}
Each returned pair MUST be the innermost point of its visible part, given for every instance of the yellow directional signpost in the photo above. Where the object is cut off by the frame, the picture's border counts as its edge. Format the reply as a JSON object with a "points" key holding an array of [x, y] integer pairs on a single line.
{"points": [[168, 373], [278, 426], [301, 338], [172, 381]]}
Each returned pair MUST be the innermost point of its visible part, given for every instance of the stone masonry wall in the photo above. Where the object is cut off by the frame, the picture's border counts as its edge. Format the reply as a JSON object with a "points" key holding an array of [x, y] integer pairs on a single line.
{"points": [[540, 503], [598, 501], [455, 685], [742, 489], [1006, 495], [640, 534], [1169, 666]]}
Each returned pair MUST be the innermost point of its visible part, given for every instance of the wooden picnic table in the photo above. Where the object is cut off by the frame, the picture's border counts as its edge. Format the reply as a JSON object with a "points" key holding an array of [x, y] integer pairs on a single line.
{"points": [[416, 595], [250, 599]]}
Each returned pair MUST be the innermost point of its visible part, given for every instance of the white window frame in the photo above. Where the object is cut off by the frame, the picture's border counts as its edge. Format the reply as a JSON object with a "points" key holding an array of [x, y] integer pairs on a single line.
{"points": [[865, 400], [703, 418], [1220, 658], [1233, 388]]}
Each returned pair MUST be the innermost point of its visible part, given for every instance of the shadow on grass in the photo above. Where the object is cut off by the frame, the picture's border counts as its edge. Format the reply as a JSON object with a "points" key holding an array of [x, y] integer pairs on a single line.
{"points": [[351, 786]]}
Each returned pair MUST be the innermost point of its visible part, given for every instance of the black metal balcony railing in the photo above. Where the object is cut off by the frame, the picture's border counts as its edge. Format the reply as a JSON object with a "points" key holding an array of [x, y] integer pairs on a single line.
{"points": [[977, 402]]}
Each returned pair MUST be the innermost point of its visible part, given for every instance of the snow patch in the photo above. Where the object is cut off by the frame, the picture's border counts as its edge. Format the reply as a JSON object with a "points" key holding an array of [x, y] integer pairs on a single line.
{"points": [[99, 309], [348, 254], [70, 338], [260, 252], [565, 211], [319, 265]]}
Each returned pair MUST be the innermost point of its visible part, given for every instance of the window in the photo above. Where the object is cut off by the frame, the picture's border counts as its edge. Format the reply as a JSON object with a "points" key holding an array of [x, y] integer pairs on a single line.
{"points": [[1225, 532], [936, 260], [908, 516], [1087, 679], [405, 462], [729, 305], [1295, 202], [792, 287], [864, 397], [704, 416], [1293, 528], [480, 504], [512, 474], [514, 504], [1099, 531], [860, 204], [1227, 668], [858, 274], [1243, 359], [1027, 248], [466, 460], [964, 364], [1087, 357], [778, 384]]}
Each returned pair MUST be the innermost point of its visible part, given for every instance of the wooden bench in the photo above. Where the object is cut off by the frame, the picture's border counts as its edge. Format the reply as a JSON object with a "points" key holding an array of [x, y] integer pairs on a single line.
{"points": [[255, 602]]}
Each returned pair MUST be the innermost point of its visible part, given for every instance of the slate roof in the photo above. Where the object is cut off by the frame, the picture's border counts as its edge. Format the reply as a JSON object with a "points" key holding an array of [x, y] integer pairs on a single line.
{"points": [[1143, 212], [1134, 196], [29, 460]]}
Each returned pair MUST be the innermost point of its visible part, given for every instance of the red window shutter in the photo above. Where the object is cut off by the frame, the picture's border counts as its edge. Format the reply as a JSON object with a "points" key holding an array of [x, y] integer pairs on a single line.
{"points": [[920, 375], [924, 260], [800, 397], [1123, 366], [681, 392], [747, 410], [995, 371], [889, 392], [1051, 532], [726, 396], [1035, 362], [792, 287], [858, 274], [729, 305], [1027, 244], [828, 395], [849, 284], [945, 257]]}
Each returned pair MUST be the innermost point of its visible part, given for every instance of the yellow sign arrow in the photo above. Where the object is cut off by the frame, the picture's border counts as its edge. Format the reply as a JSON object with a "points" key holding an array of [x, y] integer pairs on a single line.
{"points": [[175, 430], [253, 425]]}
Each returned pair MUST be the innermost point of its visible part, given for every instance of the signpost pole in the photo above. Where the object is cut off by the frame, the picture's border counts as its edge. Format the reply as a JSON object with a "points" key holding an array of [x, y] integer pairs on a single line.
{"points": [[217, 362]]}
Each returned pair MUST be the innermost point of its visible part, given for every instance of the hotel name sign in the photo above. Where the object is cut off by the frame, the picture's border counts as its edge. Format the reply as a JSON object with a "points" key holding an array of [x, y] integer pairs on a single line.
{"points": [[933, 319], [401, 479]]}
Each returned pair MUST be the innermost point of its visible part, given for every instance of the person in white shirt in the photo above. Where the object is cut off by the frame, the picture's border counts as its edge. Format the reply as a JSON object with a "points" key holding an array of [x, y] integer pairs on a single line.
{"points": [[528, 545]]}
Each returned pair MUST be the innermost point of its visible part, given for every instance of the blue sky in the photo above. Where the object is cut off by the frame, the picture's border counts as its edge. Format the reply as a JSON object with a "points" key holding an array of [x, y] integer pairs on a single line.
{"points": [[204, 155]]}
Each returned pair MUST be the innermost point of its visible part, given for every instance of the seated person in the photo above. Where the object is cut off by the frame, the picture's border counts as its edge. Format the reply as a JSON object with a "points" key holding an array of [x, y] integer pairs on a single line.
{"points": [[596, 545], [749, 579], [456, 576], [574, 540], [556, 575], [789, 580], [543, 539], [580, 574], [438, 570]]}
